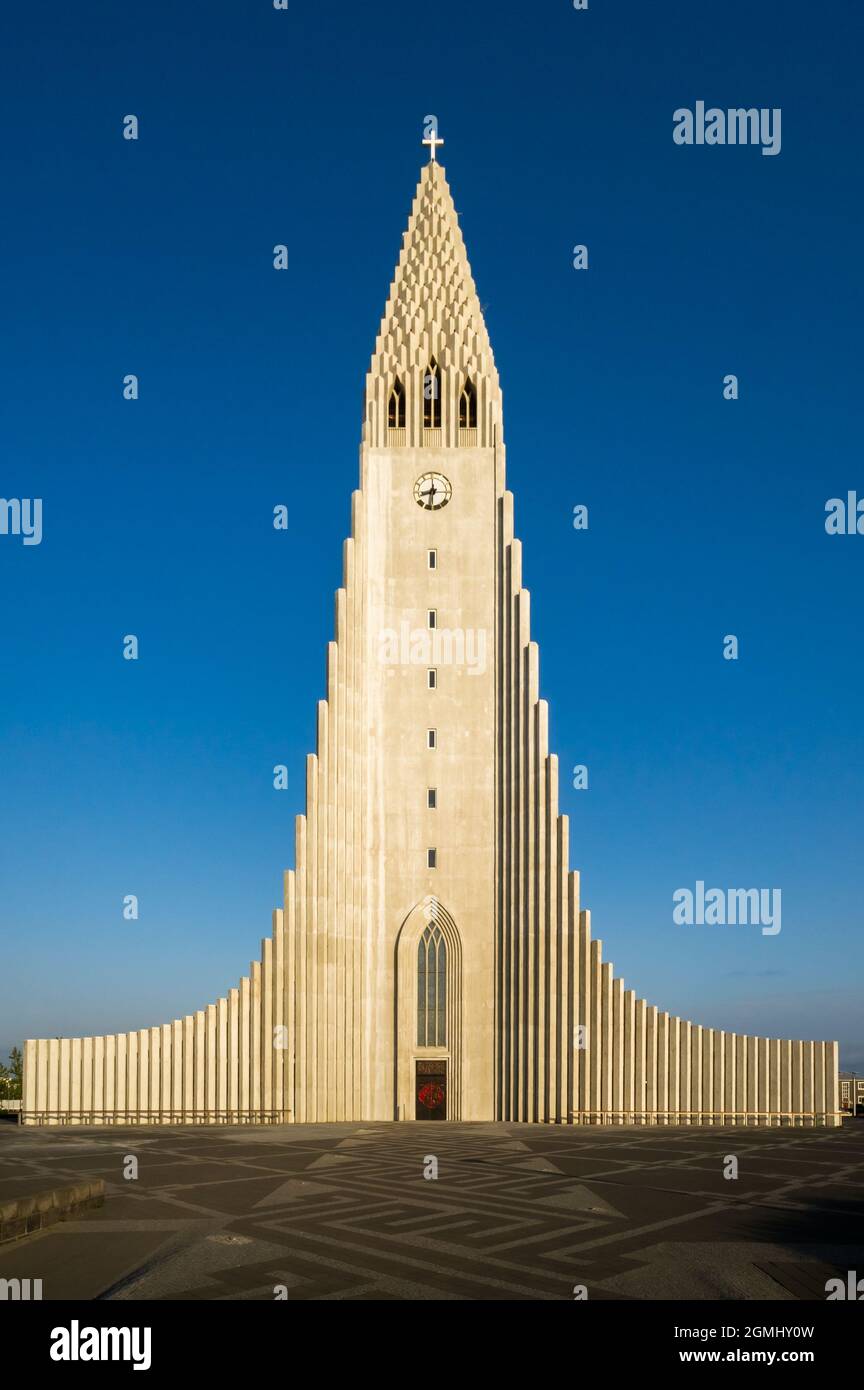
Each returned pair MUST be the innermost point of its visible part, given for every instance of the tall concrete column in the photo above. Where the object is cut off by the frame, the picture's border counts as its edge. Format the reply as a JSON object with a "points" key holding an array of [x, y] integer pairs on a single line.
{"points": [[211, 1058], [786, 1103], [75, 1075], [685, 1071], [696, 1070], [707, 1075], [774, 1102], [233, 1051], [98, 1077], [87, 1079], [595, 1042], [156, 1071], [188, 1105], [222, 1061], [663, 1067], [752, 1103], [808, 1093], [177, 1069], [584, 1012], [741, 1078], [763, 1079], [798, 1082], [651, 1062], [149, 1103], [639, 1072], [674, 1064], [819, 1081], [629, 1105], [719, 1048], [29, 1100], [619, 1045], [832, 1088], [730, 1083], [607, 1058], [121, 1071]]}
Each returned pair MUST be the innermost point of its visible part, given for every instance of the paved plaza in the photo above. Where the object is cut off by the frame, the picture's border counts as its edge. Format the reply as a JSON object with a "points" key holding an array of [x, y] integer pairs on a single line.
{"points": [[344, 1211]]}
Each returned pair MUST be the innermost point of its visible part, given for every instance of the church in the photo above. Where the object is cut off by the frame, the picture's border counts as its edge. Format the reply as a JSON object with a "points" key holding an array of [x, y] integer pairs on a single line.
{"points": [[431, 959]]}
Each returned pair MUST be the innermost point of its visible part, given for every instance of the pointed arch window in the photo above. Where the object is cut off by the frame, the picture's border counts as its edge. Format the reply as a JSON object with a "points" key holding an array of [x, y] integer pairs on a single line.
{"points": [[396, 407], [432, 396], [432, 989], [468, 406]]}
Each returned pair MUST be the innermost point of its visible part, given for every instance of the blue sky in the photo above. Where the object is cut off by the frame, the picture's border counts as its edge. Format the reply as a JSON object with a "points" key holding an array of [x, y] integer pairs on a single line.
{"points": [[706, 516]]}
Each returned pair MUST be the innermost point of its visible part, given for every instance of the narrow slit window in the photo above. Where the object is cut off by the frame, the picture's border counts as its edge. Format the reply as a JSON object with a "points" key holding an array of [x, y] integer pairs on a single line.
{"points": [[431, 858], [432, 798], [468, 406], [396, 407], [431, 738], [432, 617], [432, 678], [432, 397], [432, 559]]}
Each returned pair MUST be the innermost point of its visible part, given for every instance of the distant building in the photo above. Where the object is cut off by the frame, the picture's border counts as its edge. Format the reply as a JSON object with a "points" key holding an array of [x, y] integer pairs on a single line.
{"points": [[851, 1093]]}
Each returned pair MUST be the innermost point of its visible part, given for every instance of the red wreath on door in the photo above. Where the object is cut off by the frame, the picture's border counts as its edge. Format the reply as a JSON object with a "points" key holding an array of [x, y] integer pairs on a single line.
{"points": [[431, 1095]]}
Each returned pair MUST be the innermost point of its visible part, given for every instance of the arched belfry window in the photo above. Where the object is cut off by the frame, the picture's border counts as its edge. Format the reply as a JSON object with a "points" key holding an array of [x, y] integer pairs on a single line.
{"points": [[432, 989], [432, 396], [396, 407], [468, 406]]}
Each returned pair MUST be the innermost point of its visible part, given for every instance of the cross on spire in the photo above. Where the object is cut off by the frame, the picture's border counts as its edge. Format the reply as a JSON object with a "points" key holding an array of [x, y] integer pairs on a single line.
{"points": [[432, 139]]}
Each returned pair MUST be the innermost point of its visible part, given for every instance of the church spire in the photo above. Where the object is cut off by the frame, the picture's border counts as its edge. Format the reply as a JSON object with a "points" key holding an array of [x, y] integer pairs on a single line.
{"points": [[433, 315]]}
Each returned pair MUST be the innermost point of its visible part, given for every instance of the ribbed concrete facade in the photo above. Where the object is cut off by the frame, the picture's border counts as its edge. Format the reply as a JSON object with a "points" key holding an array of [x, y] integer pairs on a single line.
{"points": [[432, 925]]}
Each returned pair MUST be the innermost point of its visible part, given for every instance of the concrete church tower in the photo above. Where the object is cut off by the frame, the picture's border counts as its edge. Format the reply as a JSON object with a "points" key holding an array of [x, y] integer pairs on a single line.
{"points": [[431, 959]]}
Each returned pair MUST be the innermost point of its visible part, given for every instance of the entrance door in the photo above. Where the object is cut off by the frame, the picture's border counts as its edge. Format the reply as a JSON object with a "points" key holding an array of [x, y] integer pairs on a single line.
{"points": [[430, 1090]]}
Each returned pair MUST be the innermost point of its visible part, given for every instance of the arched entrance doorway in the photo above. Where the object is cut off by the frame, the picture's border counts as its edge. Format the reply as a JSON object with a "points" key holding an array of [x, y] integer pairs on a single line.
{"points": [[428, 1015]]}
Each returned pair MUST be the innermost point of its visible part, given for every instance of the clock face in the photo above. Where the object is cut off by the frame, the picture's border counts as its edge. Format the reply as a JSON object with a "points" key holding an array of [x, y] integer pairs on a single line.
{"points": [[432, 491]]}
